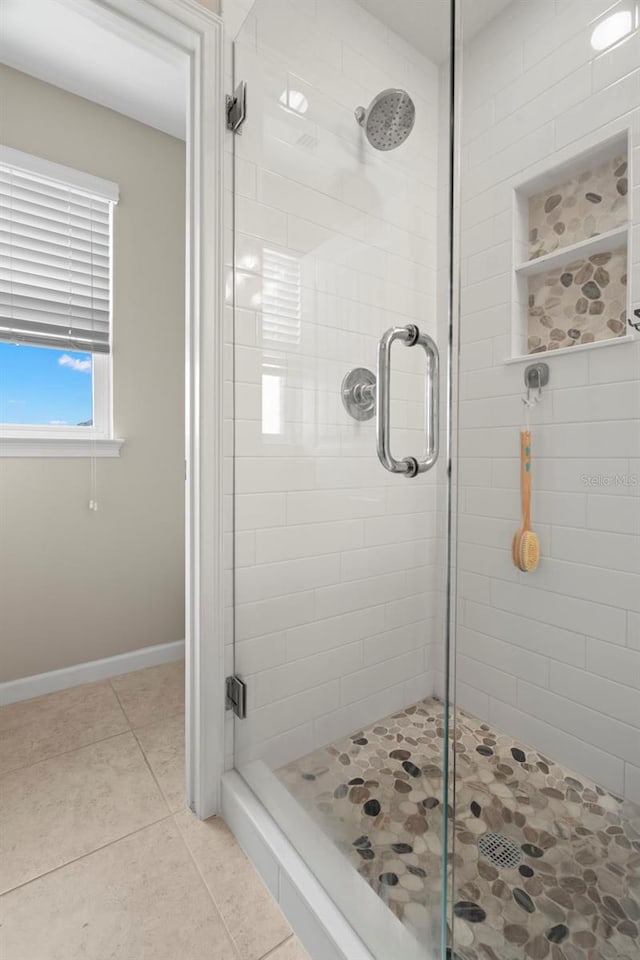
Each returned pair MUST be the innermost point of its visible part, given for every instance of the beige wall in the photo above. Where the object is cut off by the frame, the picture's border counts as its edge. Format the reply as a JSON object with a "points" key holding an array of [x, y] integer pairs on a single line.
{"points": [[77, 585]]}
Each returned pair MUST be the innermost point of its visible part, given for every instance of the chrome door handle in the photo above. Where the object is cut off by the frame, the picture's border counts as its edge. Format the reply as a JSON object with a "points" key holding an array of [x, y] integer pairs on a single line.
{"points": [[410, 336]]}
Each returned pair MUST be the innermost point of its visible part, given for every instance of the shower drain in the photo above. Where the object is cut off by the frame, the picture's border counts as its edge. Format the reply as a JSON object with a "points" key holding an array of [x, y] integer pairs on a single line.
{"points": [[500, 850]]}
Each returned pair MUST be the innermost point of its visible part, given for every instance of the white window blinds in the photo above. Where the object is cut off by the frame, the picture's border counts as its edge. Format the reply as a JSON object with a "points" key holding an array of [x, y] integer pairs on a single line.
{"points": [[55, 255]]}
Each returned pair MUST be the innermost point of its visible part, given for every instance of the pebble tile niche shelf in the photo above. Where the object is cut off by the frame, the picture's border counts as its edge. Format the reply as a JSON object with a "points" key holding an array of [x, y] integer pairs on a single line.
{"points": [[571, 251]]}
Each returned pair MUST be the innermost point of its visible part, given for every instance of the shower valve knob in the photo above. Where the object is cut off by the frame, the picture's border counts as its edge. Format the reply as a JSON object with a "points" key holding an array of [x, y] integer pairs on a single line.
{"points": [[359, 394]]}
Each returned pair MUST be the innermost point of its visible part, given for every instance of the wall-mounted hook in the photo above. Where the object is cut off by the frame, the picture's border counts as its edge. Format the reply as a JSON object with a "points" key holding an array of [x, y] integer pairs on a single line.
{"points": [[536, 376]]}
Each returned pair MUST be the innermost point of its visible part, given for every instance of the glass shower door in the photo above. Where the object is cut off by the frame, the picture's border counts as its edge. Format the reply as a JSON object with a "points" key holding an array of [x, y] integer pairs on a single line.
{"points": [[547, 654], [340, 489]]}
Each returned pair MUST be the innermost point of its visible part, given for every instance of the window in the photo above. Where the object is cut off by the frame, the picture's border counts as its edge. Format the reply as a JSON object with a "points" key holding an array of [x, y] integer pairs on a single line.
{"points": [[55, 306]]}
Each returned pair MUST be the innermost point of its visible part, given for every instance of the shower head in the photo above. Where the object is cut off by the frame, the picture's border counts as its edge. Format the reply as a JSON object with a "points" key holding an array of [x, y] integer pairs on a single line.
{"points": [[389, 119]]}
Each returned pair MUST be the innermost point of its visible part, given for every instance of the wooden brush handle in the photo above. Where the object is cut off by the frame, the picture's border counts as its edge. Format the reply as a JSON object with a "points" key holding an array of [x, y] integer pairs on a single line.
{"points": [[525, 477]]}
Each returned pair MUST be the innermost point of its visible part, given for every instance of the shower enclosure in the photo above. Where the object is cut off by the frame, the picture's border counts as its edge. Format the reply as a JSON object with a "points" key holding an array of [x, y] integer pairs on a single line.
{"points": [[437, 267]]}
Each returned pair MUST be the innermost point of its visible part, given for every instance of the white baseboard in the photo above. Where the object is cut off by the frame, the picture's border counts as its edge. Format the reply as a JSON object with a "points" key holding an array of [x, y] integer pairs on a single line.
{"points": [[27, 687]]}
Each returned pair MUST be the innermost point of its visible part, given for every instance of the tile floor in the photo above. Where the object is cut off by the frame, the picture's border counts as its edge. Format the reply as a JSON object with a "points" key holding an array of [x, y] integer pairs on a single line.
{"points": [[99, 857], [565, 883]]}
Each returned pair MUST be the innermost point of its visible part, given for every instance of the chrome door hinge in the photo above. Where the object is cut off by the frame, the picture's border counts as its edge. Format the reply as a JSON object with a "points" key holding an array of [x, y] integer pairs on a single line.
{"points": [[237, 108], [236, 691]]}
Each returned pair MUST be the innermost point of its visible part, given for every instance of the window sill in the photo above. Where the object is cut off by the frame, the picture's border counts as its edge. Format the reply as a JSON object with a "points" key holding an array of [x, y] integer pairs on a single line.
{"points": [[58, 447]]}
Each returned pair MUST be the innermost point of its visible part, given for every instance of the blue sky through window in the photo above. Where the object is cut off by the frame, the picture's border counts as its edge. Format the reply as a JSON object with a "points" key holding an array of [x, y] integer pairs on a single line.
{"points": [[45, 387]]}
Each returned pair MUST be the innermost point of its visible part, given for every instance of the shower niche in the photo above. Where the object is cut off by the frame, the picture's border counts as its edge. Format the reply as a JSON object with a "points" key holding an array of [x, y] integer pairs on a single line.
{"points": [[571, 253]]}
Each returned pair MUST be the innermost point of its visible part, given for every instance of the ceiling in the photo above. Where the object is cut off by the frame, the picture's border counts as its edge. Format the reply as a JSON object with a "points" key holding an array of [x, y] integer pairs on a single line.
{"points": [[425, 24], [97, 56], [92, 52]]}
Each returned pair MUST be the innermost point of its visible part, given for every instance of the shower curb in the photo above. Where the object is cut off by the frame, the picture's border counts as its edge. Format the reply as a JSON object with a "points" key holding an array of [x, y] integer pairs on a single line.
{"points": [[318, 923]]}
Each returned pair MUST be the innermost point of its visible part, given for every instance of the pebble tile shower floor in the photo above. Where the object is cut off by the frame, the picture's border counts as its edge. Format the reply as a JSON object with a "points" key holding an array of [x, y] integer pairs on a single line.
{"points": [[569, 884]]}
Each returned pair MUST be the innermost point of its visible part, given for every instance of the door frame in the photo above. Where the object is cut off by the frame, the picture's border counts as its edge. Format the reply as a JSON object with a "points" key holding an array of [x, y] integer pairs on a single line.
{"points": [[198, 33]]}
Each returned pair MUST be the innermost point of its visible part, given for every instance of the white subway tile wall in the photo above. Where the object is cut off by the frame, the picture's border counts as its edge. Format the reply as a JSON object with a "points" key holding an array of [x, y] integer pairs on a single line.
{"points": [[552, 657], [337, 584], [362, 234]]}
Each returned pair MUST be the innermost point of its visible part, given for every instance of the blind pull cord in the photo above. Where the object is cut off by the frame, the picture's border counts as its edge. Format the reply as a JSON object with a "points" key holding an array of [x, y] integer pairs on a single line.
{"points": [[93, 482]]}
